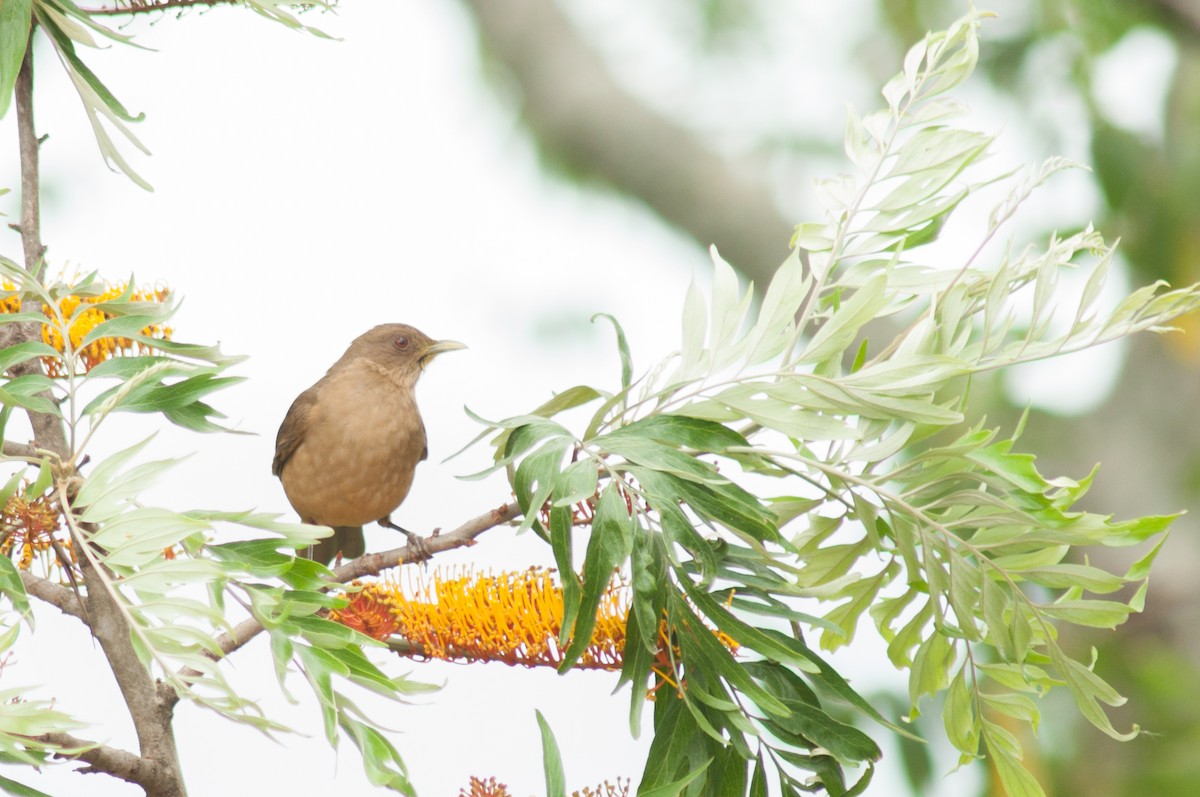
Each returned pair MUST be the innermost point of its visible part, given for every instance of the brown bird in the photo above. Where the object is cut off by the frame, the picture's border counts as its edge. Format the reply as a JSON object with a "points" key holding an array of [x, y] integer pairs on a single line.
{"points": [[349, 445]]}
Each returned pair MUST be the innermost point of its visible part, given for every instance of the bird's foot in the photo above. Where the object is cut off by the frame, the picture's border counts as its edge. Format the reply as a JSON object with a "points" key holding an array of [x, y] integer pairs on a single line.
{"points": [[418, 548]]}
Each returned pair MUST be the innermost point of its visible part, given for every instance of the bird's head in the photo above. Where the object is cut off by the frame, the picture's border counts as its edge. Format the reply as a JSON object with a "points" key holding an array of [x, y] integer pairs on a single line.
{"points": [[399, 348]]}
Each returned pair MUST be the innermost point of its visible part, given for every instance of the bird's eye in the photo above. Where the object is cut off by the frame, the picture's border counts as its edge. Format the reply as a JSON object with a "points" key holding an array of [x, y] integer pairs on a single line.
{"points": [[401, 342]]}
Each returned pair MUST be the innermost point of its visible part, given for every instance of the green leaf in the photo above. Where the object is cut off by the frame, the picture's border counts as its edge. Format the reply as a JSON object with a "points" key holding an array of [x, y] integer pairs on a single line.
{"points": [[931, 667], [1091, 613], [775, 327], [97, 99], [381, 761], [12, 587], [835, 335], [552, 765], [622, 348], [674, 730], [779, 648], [808, 719], [697, 434], [727, 504], [1006, 758], [535, 478], [11, 786], [959, 717], [25, 392], [661, 458], [27, 350], [677, 787], [607, 547], [15, 20], [561, 527]]}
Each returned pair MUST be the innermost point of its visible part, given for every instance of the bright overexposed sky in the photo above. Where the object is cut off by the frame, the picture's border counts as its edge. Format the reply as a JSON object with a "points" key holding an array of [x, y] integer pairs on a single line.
{"points": [[306, 190]]}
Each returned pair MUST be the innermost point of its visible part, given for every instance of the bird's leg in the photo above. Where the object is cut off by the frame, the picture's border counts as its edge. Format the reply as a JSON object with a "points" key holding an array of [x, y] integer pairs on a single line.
{"points": [[415, 543]]}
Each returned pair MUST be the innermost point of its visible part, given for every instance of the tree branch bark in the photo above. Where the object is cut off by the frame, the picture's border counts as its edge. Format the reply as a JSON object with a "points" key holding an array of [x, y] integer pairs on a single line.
{"points": [[14, 449], [581, 117], [62, 598], [159, 762], [48, 431], [107, 760]]}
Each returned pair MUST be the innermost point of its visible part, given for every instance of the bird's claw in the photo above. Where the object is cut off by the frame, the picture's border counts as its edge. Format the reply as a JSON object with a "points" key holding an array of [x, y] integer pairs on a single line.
{"points": [[418, 548]]}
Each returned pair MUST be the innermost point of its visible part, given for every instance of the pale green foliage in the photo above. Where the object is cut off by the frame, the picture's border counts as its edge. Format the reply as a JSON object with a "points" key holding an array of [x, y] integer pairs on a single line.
{"points": [[69, 27], [966, 558]]}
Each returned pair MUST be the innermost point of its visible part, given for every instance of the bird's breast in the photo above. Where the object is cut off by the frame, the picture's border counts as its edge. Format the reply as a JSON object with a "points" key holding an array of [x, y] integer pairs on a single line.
{"points": [[356, 460]]}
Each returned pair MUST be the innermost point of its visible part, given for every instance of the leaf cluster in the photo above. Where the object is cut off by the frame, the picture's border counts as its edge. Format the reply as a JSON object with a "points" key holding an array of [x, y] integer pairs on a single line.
{"points": [[780, 475], [69, 27]]}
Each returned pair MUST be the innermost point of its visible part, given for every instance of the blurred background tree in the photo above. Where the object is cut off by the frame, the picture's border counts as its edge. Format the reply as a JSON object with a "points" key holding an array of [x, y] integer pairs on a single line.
{"points": [[1112, 83]]}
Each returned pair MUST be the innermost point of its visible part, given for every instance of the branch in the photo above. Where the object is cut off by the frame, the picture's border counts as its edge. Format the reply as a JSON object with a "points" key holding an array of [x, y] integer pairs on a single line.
{"points": [[109, 760], [19, 450], [373, 564], [583, 118], [62, 598], [151, 714], [143, 6], [27, 143], [47, 429]]}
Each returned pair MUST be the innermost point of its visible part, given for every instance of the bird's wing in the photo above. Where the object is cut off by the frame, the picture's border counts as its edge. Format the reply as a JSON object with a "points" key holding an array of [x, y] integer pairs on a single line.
{"points": [[425, 444], [291, 431]]}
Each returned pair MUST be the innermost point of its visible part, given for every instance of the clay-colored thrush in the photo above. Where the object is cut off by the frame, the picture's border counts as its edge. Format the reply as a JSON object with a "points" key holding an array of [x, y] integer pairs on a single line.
{"points": [[347, 450]]}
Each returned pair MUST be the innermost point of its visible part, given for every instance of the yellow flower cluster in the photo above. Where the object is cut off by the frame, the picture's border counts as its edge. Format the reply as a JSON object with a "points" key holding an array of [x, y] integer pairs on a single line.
{"points": [[511, 617], [515, 618], [27, 530], [97, 351]]}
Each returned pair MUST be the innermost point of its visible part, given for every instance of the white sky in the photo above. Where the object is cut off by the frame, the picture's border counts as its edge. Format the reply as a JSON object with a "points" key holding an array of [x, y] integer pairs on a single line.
{"points": [[306, 190]]}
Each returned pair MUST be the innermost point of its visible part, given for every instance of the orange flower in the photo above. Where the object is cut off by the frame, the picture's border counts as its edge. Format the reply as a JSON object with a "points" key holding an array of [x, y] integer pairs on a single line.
{"points": [[484, 788], [369, 611], [27, 530]]}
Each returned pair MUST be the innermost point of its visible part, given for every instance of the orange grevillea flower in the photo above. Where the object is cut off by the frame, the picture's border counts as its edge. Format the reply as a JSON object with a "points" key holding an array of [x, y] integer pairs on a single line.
{"points": [[464, 616], [515, 618], [606, 789], [27, 528], [370, 611], [490, 788], [97, 351], [484, 788]]}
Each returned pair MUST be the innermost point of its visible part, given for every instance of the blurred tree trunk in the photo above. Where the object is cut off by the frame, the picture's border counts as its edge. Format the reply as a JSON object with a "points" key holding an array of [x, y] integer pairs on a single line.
{"points": [[585, 123]]}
